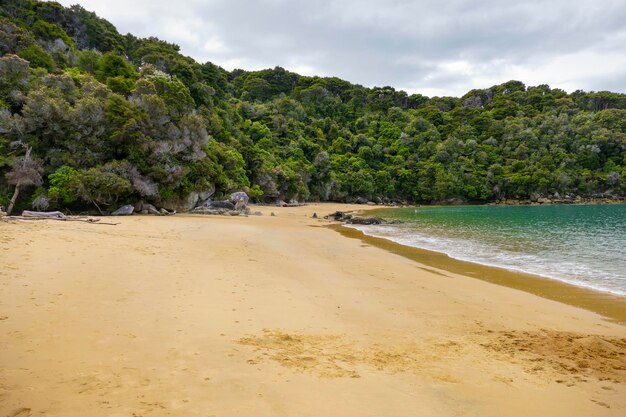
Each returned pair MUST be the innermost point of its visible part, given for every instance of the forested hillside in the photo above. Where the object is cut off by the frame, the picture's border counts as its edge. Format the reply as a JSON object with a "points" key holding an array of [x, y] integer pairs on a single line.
{"points": [[90, 117]]}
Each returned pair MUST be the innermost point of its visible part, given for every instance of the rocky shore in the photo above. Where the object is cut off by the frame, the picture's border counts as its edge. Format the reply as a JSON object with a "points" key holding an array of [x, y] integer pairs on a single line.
{"points": [[565, 199], [350, 218]]}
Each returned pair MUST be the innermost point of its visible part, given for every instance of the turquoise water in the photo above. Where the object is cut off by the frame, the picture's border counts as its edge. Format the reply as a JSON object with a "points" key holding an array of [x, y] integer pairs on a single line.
{"points": [[583, 245]]}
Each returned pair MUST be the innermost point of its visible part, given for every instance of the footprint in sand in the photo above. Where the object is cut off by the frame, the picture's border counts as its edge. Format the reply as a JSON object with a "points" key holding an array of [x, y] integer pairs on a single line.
{"points": [[20, 412]]}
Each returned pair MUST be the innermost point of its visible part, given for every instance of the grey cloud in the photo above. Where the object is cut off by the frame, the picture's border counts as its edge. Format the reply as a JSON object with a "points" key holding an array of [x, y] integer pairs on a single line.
{"points": [[415, 44], [612, 83]]}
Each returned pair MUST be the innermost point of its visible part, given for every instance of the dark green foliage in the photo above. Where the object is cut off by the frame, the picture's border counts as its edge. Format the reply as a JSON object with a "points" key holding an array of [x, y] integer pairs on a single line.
{"points": [[51, 32], [113, 65], [37, 57], [89, 60], [117, 118], [102, 186], [91, 32], [115, 72], [265, 84]]}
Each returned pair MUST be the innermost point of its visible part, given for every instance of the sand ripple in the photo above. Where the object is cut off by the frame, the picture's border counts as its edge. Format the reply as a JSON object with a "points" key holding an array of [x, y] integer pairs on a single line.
{"points": [[569, 357], [336, 356]]}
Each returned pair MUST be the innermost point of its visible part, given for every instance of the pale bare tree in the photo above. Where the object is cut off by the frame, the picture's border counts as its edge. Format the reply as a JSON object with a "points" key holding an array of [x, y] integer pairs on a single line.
{"points": [[25, 172]]}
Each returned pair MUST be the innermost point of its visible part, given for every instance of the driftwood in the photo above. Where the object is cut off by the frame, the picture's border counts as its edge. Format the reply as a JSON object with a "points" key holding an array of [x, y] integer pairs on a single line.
{"points": [[57, 215], [90, 220]]}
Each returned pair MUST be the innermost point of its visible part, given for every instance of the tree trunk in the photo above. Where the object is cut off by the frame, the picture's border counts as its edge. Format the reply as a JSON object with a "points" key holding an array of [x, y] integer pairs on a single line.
{"points": [[98, 207], [13, 199]]}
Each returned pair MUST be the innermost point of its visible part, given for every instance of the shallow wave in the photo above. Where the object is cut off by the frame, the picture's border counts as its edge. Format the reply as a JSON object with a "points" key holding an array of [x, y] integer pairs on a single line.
{"points": [[565, 270]]}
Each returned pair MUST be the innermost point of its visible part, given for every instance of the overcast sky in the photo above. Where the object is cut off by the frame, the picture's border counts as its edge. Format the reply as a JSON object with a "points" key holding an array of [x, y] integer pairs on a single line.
{"points": [[432, 47]]}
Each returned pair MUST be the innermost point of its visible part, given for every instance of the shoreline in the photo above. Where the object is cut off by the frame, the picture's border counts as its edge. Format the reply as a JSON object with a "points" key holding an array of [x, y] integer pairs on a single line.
{"points": [[510, 202], [264, 315], [612, 306]]}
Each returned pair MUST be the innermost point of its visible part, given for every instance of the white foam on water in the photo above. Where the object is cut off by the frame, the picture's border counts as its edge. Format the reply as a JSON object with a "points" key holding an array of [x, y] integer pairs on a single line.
{"points": [[570, 271]]}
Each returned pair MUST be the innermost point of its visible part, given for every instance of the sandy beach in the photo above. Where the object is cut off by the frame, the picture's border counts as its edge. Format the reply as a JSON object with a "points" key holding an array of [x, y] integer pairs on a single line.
{"points": [[280, 316]]}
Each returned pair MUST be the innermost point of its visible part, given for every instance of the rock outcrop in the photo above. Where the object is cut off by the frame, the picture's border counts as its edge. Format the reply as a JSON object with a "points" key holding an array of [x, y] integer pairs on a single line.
{"points": [[220, 205], [367, 220], [126, 210], [235, 206], [239, 198], [146, 208], [340, 216], [556, 198]]}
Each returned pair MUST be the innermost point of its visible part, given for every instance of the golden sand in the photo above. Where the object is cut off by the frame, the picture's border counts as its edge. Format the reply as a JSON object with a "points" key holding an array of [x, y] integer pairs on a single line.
{"points": [[279, 316]]}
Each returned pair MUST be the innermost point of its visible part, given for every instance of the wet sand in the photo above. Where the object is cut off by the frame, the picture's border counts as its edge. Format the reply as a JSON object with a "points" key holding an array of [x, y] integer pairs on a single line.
{"points": [[280, 316], [609, 305]]}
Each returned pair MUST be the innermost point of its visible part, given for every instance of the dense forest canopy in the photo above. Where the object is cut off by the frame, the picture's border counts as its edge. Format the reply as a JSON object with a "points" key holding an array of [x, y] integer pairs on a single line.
{"points": [[103, 119]]}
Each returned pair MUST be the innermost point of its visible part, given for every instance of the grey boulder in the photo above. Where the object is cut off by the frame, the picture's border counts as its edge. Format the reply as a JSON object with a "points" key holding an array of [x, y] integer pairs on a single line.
{"points": [[240, 205], [126, 210], [239, 196], [366, 220], [151, 209], [221, 204]]}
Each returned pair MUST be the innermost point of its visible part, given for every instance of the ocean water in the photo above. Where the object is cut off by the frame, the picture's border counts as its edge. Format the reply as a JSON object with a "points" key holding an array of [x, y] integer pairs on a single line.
{"points": [[584, 245]]}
